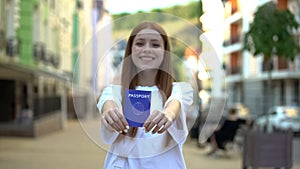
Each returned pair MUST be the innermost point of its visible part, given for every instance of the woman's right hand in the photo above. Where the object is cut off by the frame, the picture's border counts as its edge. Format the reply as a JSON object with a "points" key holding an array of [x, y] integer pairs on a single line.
{"points": [[113, 120]]}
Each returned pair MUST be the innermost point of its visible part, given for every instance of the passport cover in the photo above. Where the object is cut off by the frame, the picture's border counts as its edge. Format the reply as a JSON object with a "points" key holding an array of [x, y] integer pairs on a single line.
{"points": [[137, 107]]}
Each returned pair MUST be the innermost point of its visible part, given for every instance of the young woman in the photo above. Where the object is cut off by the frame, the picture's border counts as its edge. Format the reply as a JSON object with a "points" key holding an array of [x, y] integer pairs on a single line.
{"points": [[147, 66]]}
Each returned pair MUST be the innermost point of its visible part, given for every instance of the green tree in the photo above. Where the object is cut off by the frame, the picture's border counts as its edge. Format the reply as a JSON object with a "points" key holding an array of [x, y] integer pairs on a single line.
{"points": [[270, 35]]}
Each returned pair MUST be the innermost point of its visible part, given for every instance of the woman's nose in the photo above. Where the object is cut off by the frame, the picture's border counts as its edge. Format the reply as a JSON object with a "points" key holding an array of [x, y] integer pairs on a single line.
{"points": [[146, 48]]}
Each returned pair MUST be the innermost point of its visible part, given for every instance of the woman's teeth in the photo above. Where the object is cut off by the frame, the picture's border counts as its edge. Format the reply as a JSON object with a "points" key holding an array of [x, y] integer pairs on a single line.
{"points": [[147, 58]]}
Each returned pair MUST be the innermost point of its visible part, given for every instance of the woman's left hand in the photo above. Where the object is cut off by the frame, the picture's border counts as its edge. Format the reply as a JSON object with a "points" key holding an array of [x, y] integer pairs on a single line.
{"points": [[159, 121]]}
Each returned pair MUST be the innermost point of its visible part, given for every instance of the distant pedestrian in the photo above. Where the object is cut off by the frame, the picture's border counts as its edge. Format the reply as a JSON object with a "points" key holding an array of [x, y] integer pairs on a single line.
{"points": [[226, 132], [26, 115]]}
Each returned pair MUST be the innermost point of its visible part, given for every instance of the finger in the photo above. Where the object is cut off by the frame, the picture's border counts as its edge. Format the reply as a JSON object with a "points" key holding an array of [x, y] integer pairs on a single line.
{"points": [[166, 126], [124, 122], [117, 127], [122, 118], [159, 125], [117, 121], [151, 117], [161, 129], [151, 125], [148, 123], [112, 122], [106, 125], [154, 122], [108, 119]]}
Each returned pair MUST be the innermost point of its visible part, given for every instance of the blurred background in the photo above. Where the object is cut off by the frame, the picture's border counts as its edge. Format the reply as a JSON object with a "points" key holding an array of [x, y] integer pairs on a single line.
{"points": [[57, 55]]}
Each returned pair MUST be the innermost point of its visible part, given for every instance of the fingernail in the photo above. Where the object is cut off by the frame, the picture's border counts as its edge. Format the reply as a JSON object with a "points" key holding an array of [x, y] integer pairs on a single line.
{"points": [[127, 127], [125, 130]]}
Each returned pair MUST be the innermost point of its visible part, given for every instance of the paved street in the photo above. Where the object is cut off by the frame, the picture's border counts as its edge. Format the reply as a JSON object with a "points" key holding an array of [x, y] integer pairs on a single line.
{"points": [[72, 149]]}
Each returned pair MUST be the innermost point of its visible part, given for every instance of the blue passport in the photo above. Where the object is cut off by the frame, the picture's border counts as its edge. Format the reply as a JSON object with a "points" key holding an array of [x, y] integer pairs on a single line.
{"points": [[137, 107]]}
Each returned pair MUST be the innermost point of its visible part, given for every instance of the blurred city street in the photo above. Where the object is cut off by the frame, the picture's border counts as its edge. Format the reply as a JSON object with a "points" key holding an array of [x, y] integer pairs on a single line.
{"points": [[57, 58], [71, 148]]}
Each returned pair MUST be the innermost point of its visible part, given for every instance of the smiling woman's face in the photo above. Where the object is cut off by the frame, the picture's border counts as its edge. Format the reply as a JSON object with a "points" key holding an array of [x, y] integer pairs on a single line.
{"points": [[148, 49]]}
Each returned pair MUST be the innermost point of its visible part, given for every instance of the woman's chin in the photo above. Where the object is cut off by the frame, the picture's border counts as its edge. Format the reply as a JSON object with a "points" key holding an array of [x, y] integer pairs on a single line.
{"points": [[148, 68]]}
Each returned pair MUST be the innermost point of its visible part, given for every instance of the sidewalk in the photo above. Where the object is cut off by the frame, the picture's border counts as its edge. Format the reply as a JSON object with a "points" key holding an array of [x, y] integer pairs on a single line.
{"points": [[72, 149], [196, 158]]}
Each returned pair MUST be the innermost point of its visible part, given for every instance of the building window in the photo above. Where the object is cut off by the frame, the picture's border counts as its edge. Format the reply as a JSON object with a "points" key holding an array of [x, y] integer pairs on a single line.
{"points": [[234, 6], [282, 63], [235, 63]]}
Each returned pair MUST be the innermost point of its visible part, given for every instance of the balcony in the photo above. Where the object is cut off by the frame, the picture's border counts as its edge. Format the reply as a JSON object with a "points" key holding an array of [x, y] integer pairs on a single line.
{"points": [[234, 70], [39, 51], [279, 64], [41, 55], [12, 47], [233, 40]]}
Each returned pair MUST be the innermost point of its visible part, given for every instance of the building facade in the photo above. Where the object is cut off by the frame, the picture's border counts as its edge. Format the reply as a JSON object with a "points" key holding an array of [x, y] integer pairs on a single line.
{"points": [[40, 47], [246, 75]]}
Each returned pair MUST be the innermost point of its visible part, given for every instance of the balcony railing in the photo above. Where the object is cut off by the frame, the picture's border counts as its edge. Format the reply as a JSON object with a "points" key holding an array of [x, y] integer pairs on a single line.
{"points": [[39, 51], [42, 55], [232, 40], [12, 46], [235, 39], [235, 70]]}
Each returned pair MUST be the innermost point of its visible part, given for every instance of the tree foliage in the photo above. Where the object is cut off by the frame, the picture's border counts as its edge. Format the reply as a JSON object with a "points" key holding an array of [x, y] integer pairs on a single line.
{"points": [[189, 11], [270, 33]]}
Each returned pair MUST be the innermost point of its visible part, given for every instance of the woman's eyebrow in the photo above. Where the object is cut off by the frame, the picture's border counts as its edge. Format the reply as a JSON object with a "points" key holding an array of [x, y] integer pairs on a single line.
{"points": [[152, 39], [139, 38], [155, 40]]}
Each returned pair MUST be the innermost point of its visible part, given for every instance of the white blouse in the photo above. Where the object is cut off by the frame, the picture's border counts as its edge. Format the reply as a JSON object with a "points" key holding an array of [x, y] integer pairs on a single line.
{"points": [[148, 150]]}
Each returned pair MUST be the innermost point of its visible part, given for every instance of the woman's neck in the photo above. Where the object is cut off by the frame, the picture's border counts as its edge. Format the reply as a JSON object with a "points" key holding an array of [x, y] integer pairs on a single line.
{"points": [[147, 78]]}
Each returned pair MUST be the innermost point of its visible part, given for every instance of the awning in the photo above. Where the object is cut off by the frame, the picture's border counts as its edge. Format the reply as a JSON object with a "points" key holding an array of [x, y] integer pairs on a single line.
{"points": [[15, 71]]}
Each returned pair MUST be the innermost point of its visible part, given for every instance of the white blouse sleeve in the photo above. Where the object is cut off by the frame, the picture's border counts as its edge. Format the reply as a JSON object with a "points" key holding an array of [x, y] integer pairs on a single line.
{"points": [[111, 92], [183, 92]]}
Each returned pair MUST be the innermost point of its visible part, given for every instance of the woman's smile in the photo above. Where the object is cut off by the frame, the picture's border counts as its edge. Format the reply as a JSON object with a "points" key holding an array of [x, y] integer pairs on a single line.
{"points": [[147, 58]]}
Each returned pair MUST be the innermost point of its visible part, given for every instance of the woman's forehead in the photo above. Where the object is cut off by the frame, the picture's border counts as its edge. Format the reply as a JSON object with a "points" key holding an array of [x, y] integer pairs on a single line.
{"points": [[148, 31]]}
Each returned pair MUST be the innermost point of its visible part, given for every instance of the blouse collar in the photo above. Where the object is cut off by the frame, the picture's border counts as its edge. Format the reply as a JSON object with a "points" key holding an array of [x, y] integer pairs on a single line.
{"points": [[147, 88]]}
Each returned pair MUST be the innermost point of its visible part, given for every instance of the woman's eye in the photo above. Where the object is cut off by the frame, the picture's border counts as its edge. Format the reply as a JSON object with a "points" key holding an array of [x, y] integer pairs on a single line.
{"points": [[139, 44], [156, 45]]}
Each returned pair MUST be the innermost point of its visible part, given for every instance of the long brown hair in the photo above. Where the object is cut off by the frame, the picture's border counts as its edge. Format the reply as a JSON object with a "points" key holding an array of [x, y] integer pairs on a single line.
{"points": [[129, 78]]}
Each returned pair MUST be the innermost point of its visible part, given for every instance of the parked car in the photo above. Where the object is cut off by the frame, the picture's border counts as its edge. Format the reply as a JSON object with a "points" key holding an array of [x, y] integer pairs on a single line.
{"points": [[280, 118]]}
